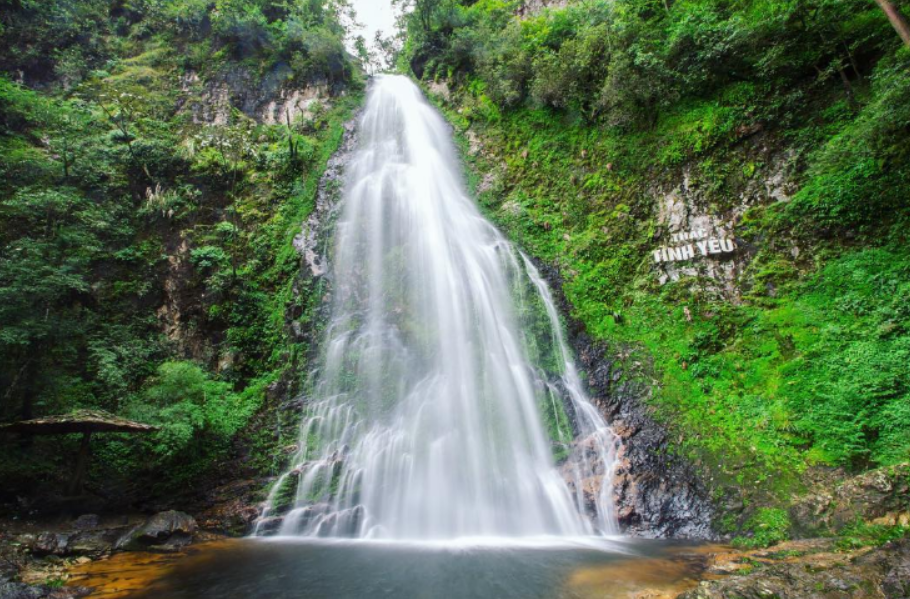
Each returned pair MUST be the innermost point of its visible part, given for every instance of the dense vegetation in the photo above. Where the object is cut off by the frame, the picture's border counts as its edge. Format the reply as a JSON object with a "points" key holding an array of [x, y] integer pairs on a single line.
{"points": [[588, 114], [147, 207], [146, 216]]}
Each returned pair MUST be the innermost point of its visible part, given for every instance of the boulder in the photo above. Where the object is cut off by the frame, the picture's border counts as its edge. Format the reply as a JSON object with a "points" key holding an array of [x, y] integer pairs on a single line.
{"points": [[93, 543], [165, 531], [269, 526], [18, 590], [51, 543], [90, 543]]}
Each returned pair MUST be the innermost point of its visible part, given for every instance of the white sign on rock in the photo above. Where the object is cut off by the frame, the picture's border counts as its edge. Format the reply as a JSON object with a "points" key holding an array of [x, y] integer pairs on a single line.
{"points": [[699, 245]]}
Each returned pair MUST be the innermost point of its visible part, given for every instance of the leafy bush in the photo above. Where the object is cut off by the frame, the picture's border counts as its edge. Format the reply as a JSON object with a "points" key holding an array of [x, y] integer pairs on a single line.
{"points": [[241, 26], [208, 257], [860, 176], [191, 408]]}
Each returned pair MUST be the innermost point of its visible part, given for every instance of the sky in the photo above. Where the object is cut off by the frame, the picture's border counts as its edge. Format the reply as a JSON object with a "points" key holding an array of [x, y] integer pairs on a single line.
{"points": [[375, 15]]}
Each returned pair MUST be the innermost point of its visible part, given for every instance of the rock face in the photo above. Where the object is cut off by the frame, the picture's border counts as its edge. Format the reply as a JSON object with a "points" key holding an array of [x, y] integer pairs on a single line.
{"points": [[231, 508], [312, 241], [685, 206], [878, 497], [165, 531], [657, 495], [530, 7], [271, 98], [820, 573], [268, 99]]}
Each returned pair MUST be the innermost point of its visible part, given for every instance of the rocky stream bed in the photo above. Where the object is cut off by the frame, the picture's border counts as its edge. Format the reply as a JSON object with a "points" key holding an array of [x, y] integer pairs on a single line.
{"points": [[122, 560], [119, 555]]}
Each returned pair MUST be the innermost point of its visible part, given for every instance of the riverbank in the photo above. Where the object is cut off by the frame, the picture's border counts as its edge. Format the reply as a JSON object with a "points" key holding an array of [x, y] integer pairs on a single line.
{"points": [[806, 569], [850, 541]]}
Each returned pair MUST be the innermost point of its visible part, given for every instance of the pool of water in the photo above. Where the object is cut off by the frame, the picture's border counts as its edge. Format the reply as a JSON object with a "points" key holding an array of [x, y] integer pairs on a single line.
{"points": [[285, 568]]}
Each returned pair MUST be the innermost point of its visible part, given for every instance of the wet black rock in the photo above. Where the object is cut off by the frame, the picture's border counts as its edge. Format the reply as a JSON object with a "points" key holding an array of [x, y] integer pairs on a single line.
{"points": [[657, 494], [269, 526], [165, 531]]}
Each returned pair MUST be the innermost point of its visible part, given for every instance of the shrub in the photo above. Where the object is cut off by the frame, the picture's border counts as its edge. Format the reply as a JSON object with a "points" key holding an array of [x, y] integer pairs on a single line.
{"points": [[191, 408]]}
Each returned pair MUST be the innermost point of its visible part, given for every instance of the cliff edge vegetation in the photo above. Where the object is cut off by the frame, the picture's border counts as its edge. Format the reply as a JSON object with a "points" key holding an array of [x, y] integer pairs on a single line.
{"points": [[598, 132], [157, 157]]}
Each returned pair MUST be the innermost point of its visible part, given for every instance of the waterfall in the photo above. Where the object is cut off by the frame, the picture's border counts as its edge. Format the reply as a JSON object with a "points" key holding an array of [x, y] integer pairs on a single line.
{"points": [[446, 403]]}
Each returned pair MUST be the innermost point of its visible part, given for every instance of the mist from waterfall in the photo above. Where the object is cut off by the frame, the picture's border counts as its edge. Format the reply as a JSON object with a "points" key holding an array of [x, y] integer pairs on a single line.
{"points": [[446, 403]]}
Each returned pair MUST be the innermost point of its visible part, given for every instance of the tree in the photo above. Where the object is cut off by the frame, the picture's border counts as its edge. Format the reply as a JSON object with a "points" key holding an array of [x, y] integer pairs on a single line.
{"points": [[386, 50], [898, 20], [49, 239], [363, 53]]}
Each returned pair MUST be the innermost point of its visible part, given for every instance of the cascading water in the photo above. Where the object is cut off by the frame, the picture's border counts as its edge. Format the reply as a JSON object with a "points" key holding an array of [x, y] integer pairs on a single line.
{"points": [[445, 387]]}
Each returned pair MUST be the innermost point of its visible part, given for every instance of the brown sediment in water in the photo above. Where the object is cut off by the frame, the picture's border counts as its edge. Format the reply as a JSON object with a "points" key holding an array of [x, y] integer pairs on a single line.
{"points": [[125, 574], [678, 570], [646, 578]]}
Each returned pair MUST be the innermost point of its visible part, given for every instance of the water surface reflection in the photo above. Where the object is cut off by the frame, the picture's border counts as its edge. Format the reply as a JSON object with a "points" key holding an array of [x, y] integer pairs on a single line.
{"points": [[285, 569]]}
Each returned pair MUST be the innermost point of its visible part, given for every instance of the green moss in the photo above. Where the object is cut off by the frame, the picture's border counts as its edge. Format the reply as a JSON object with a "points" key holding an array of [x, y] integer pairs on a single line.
{"points": [[286, 495], [768, 526], [861, 534]]}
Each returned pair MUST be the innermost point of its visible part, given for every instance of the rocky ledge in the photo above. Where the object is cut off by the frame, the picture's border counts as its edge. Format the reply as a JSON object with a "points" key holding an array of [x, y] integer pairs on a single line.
{"points": [[809, 569], [35, 557]]}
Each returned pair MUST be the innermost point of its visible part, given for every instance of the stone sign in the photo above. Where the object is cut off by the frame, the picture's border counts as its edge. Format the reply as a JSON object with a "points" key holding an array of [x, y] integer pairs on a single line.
{"points": [[699, 245]]}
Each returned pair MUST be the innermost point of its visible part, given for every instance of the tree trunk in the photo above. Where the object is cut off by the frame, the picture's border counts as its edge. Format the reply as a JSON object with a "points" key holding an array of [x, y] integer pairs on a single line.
{"points": [[75, 486], [898, 21], [29, 391], [292, 147], [848, 89]]}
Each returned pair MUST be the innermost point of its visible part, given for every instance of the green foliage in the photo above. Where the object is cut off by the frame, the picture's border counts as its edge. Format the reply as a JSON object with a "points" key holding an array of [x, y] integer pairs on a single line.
{"points": [[861, 534], [860, 175], [588, 112], [122, 218], [849, 386], [768, 526], [622, 62], [191, 409]]}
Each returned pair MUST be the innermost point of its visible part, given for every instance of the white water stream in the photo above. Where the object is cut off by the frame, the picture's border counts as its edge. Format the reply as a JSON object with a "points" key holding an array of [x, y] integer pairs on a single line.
{"points": [[446, 390]]}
